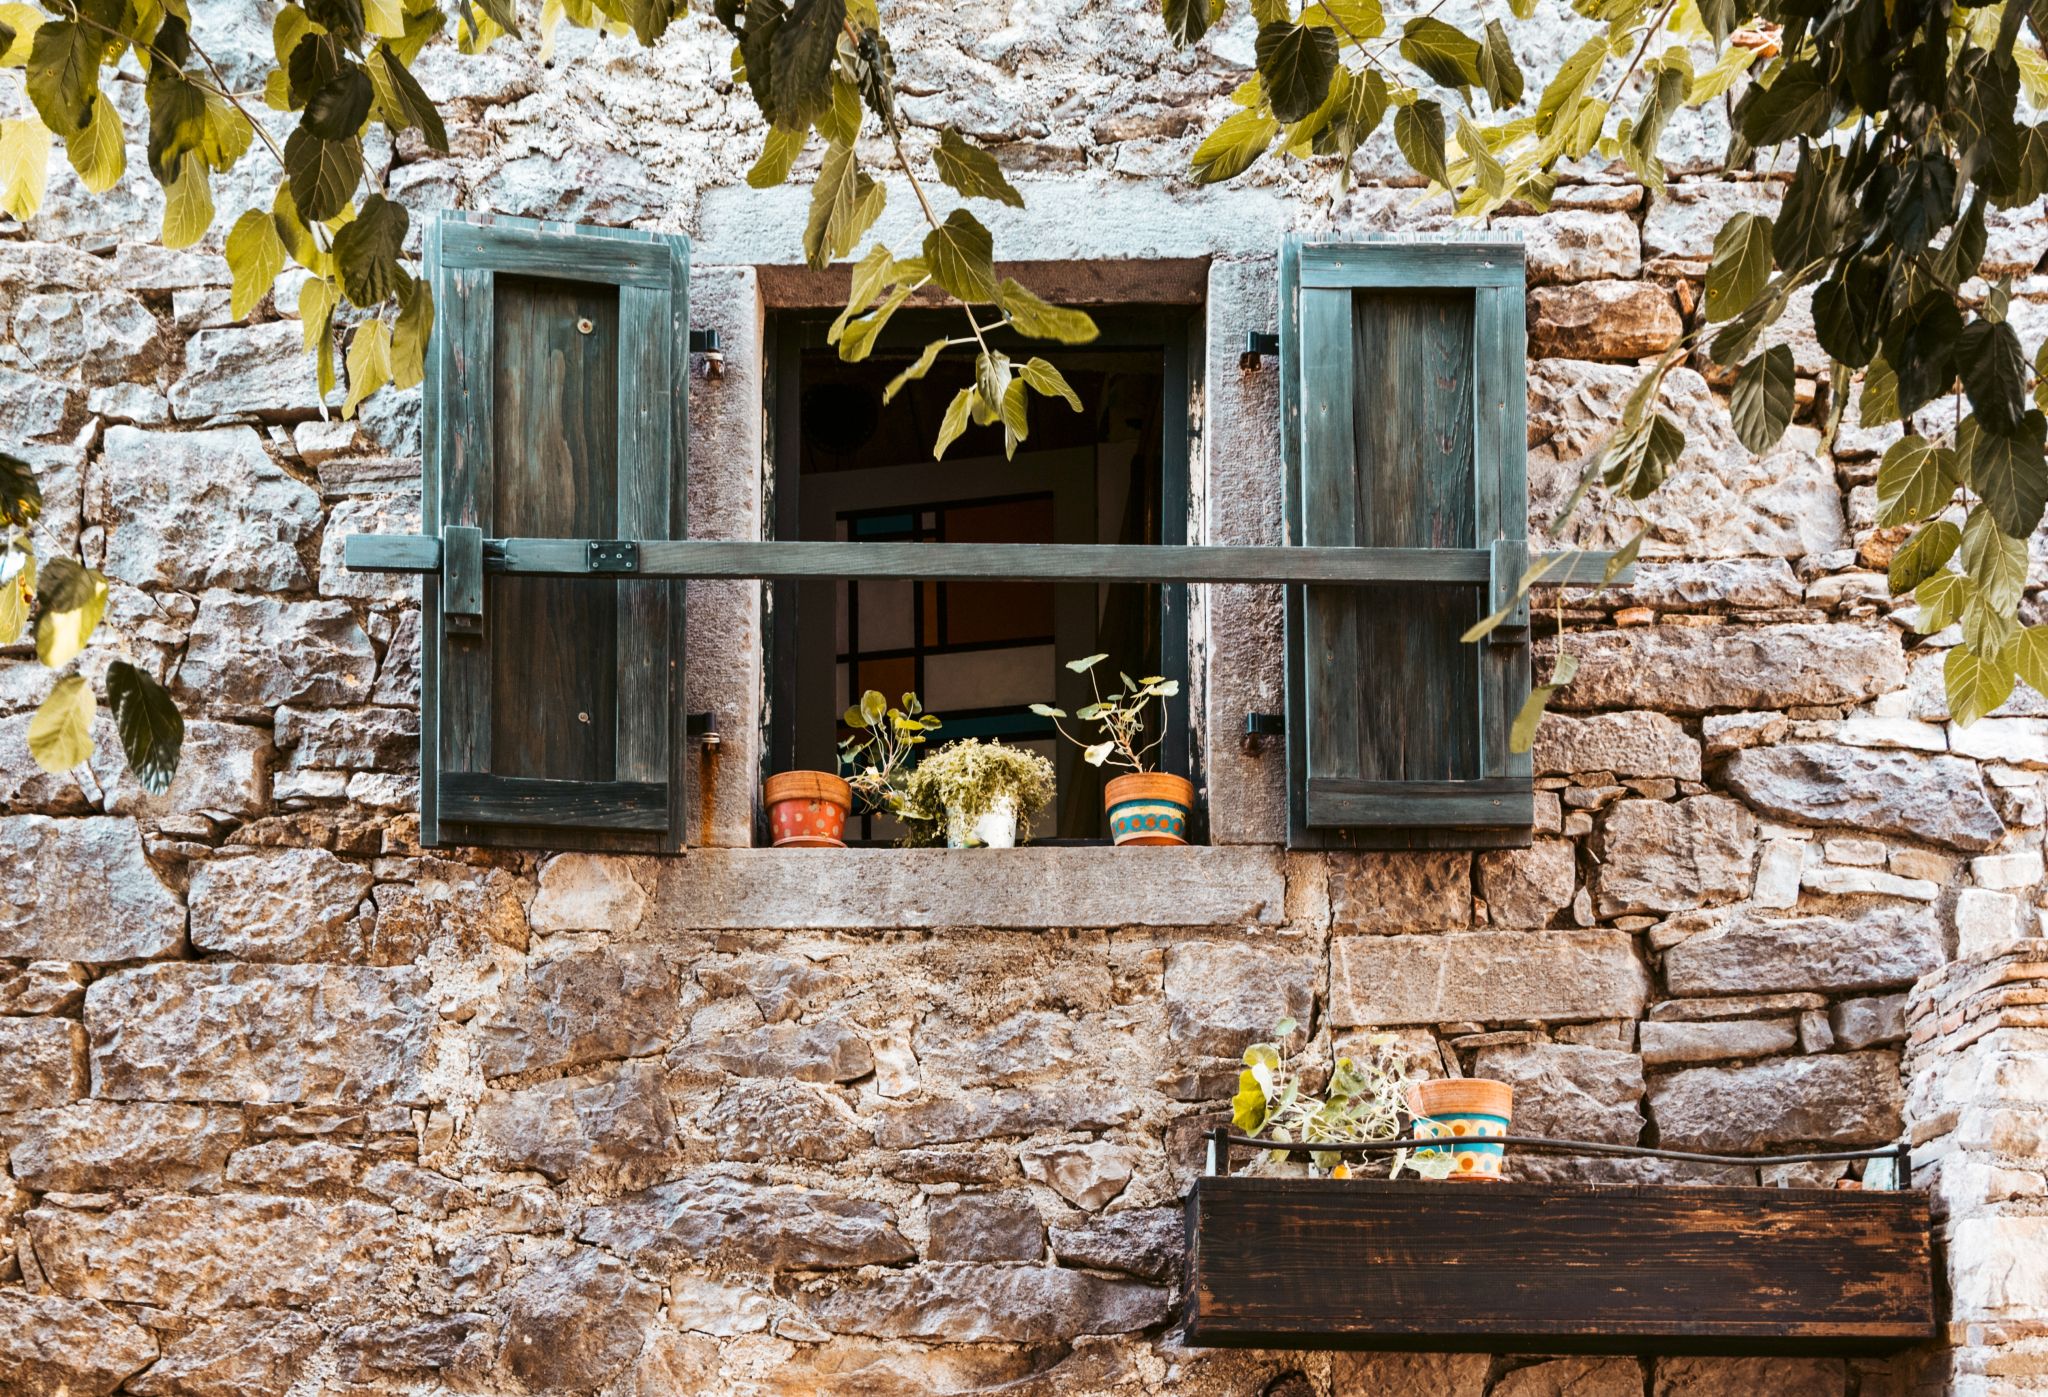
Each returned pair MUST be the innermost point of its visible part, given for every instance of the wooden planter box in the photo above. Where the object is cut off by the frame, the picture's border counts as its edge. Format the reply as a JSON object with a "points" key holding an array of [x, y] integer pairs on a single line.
{"points": [[1556, 1268]]}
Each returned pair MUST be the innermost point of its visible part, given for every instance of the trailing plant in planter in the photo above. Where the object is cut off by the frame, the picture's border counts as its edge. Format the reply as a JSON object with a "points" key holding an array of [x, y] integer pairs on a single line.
{"points": [[878, 757], [1362, 1100], [971, 794], [1144, 806]]}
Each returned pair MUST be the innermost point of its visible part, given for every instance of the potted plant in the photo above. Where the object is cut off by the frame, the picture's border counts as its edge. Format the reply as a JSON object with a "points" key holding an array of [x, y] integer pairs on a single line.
{"points": [[976, 794], [1464, 1109], [1144, 806], [1362, 1100], [808, 809], [877, 757]]}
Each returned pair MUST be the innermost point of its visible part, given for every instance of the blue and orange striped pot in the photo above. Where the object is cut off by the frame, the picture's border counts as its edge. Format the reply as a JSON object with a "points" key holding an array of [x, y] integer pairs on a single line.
{"points": [[1148, 807], [1468, 1111]]}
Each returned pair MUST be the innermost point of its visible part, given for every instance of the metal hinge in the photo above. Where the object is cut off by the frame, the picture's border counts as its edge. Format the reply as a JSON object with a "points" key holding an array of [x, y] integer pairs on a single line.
{"points": [[1264, 724], [705, 342], [612, 555], [1258, 344]]}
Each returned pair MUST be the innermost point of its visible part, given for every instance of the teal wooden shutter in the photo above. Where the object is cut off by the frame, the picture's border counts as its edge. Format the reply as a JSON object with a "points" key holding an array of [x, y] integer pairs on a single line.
{"points": [[556, 406], [1402, 373]]}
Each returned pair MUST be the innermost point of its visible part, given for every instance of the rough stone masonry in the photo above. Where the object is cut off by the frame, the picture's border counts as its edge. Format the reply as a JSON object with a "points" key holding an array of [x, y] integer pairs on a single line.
{"points": [[291, 1105]]}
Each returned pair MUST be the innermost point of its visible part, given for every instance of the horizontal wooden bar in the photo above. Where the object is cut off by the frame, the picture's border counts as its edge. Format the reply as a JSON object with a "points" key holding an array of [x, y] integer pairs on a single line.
{"points": [[1407, 265], [471, 797], [990, 562], [545, 252], [1339, 801], [391, 553], [1513, 1267]]}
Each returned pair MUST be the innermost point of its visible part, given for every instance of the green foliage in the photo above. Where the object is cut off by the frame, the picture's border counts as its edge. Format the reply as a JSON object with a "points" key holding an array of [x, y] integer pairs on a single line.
{"points": [[1121, 714], [152, 732], [876, 757], [1361, 1100]]}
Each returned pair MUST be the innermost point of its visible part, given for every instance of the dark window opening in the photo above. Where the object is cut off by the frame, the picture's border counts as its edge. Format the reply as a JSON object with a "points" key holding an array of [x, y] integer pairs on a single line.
{"points": [[850, 468]]}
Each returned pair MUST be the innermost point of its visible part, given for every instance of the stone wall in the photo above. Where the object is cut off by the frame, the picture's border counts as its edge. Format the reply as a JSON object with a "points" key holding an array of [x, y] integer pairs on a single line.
{"points": [[289, 1104]]}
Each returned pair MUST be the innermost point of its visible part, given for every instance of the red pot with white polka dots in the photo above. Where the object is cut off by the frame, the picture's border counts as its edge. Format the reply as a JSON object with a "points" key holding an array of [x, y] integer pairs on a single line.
{"points": [[807, 809]]}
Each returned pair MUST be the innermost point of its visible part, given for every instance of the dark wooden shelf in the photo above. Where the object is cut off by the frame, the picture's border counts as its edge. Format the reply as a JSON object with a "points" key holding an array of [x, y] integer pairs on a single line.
{"points": [[1556, 1268]]}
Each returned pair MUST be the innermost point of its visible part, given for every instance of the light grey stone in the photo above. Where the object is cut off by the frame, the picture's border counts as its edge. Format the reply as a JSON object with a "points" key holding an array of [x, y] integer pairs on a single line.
{"points": [[1715, 1041], [993, 1115], [984, 1227], [223, 773], [243, 1351], [1985, 920], [81, 890], [1679, 231], [255, 370], [1627, 744], [574, 1322], [1842, 1099], [42, 1063], [1868, 1022], [90, 1146], [1567, 1092], [1222, 996], [1736, 951], [314, 1035], [280, 905], [41, 987], [581, 1007], [1562, 976], [1528, 887], [374, 739], [1143, 1242], [1721, 501], [1941, 800], [32, 407], [612, 1125], [51, 1346], [199, 1256], [1831, 881], [1694, 669], [820, 1052], [1780, 865], [1669, 856], [965, 1303], [193, 510], [1087, 1176], [250, 654], [781, 1121], [1568, 245], [732, 1222], [375, 514], [104, 336]]}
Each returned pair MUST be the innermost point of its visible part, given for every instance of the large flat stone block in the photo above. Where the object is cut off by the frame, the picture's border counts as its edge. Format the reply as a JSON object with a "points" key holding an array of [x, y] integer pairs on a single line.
{"points": [[1558, 976], [720, 889]]}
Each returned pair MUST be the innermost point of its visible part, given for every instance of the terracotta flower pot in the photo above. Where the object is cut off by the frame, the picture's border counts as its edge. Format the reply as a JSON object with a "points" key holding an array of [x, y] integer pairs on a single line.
{"points": [[1465, 1108], [1148, 807], [807, 809]]}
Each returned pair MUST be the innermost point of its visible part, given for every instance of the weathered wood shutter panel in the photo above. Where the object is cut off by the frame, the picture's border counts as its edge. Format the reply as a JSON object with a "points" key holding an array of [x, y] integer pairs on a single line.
{"points": [[1403, 383], [555, 407]]}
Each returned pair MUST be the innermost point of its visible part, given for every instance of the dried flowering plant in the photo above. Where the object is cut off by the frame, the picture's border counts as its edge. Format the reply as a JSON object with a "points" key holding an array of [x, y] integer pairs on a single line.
{"points": [[1364, 1099]]}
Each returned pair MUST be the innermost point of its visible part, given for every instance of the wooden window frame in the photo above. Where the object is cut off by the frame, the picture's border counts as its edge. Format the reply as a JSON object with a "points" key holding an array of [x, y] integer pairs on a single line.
{"points": [[451, 557]]}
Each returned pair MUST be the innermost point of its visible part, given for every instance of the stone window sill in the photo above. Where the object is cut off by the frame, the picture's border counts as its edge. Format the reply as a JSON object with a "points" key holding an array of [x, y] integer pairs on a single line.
{"points": [[1072, 886]]}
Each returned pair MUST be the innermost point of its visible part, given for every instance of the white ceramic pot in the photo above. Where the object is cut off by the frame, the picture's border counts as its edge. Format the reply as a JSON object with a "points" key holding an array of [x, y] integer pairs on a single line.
{"points": [[995, 829]]}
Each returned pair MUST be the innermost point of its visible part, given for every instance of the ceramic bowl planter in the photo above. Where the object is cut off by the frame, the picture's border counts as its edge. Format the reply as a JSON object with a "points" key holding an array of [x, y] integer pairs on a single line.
{"points": [[1148, 807], [994, 828], [1465, 1109], [807, 809]]}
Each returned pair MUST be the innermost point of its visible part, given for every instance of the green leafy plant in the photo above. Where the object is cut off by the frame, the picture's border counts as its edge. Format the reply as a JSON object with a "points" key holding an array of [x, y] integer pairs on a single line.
{"points": [[1120, 714], [877, 759], [63, 605], [957, 784], [1362, 1100]]}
